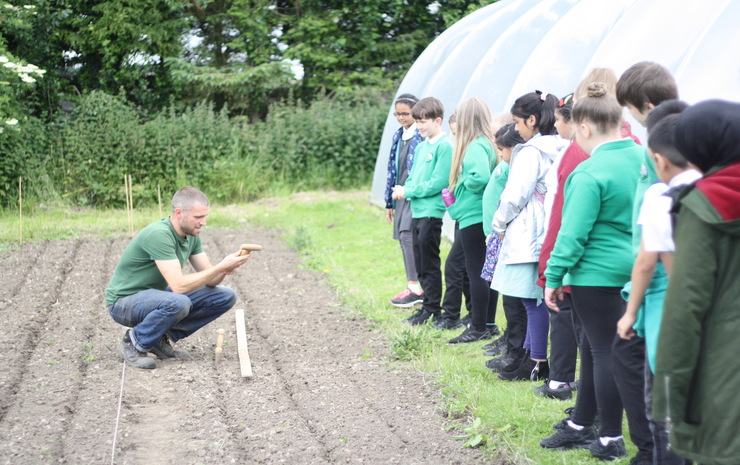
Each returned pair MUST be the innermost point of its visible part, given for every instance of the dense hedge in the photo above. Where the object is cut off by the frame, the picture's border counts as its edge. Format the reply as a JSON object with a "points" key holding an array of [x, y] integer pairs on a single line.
{"points": [[81, 157]]}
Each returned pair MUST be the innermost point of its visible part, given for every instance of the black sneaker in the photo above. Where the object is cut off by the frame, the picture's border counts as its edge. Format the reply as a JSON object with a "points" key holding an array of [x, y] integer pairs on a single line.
{"points": [[448, 323], [510, 361], [467, 319], [529, 370], [559, 426], [570, 438], [470, 335], [407, 298], [126, 350], [496, 348], [493, 329], [642, 458], [420, 317], [163, 349], [562, 392], [613, 450]]}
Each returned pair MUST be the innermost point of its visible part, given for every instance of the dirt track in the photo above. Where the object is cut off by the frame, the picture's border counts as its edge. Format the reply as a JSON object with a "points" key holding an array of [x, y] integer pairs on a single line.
{"points": [[316, 398]]}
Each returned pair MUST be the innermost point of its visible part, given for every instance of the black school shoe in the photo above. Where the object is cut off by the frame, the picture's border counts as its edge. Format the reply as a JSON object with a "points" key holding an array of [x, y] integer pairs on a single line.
{"points": [[510, 361], [563, 392], [421, 316], [612, 451], [470, 335], [529, 370], [448, 323], [570, 438], [497, 347]]}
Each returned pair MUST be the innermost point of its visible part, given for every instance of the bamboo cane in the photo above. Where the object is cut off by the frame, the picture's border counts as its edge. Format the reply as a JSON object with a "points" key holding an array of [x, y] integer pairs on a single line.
{"points": [[20, 208]]}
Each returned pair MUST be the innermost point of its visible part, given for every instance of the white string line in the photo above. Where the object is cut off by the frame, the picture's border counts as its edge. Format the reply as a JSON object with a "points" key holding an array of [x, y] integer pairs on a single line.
{"points": [[118, 416]]}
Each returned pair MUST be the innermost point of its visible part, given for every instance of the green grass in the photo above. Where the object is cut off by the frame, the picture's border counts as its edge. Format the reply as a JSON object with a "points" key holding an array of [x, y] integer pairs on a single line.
{"points": [[342, 235]]}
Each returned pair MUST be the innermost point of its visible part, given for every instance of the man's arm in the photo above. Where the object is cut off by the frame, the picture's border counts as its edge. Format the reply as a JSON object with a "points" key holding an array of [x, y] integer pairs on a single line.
{"points": [[205, 273]]}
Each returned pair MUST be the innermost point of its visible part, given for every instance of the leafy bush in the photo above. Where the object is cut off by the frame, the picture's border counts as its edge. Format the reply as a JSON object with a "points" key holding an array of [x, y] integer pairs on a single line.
{"points": [[83, 156]]}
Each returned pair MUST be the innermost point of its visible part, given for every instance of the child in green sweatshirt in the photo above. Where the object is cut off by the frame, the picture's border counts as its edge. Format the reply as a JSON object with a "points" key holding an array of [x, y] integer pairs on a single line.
{"points": [[423, 190]]}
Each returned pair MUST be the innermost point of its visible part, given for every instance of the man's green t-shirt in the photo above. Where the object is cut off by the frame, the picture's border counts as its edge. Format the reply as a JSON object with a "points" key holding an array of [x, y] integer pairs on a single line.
{"points": [[136, 271]]}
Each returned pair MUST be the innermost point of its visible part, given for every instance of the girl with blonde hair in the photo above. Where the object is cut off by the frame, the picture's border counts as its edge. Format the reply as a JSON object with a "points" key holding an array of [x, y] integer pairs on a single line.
{"points": [[473, 158]]}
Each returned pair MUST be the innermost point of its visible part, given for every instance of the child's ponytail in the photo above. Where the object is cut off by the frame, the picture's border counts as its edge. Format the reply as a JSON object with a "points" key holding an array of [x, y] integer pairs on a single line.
{"points": [[540, 104]]}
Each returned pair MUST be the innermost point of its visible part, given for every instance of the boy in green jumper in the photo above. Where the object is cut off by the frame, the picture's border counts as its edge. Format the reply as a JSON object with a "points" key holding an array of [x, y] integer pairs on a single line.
{"points": [[422, 189]]}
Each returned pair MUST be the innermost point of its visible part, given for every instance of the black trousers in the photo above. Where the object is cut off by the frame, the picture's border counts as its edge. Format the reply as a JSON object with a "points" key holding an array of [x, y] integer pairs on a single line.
{"points": [[516, 321], [628, 360], [484, 299], [427, 233], [456, 280], [563, 345], [598, 309]]}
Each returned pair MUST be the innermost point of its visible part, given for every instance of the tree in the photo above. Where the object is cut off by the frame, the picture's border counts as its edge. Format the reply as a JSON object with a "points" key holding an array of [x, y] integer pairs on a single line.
{"points": [[232, 56], [105, 45]]}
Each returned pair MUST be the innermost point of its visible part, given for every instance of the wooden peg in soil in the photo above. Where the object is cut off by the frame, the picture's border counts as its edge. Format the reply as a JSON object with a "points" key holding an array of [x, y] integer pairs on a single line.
{"points": [[219, 344], [246, 249], [241, 341]]}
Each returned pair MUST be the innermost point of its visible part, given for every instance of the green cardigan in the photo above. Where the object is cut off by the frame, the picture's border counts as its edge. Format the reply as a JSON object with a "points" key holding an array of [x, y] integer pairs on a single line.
{"points": [[471, 182], [593, 247], [492, 194], [429, 175]]}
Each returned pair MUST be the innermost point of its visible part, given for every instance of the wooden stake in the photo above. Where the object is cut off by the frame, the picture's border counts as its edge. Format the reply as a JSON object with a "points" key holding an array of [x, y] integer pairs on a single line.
{"points": [[159, 199], [131, 204], [128, 205], [20, 208], [219, 344], [241, 341]]}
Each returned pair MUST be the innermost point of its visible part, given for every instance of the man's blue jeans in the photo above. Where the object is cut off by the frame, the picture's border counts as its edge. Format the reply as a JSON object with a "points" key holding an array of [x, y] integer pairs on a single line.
{"points": [[153, 313]]}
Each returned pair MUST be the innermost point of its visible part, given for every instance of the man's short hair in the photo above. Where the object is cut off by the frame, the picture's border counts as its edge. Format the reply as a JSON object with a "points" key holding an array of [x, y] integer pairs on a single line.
{"points": [[185, 198], [645, 82], [428, 108]]}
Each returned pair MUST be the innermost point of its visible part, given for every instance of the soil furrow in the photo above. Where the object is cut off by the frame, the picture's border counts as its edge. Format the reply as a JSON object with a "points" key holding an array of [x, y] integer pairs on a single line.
{"points": [[17, 268], [23, 323], [52, 367], [322, 392]]}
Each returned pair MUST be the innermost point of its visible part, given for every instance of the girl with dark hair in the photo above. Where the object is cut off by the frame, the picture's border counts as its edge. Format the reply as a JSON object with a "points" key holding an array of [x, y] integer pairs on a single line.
{"points": [[398, 212], [520, 222], [507, 139]]}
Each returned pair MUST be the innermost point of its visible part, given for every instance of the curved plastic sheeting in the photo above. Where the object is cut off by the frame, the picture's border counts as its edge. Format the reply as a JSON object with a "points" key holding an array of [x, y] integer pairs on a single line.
{"points": [[516, 46]]}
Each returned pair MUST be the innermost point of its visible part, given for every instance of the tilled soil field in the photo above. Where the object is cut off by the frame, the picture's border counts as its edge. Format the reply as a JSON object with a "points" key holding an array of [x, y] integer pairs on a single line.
{"points": [[323, 391]]}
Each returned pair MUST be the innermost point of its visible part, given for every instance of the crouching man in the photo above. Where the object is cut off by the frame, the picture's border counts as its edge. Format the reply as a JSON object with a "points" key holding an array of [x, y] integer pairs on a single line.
{"points": [[149, 292]]}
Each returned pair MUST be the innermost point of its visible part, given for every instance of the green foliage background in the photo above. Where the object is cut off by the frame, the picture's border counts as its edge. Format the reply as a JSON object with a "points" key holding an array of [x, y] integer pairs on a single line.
{"points": [[200, 92], [82, 158]]}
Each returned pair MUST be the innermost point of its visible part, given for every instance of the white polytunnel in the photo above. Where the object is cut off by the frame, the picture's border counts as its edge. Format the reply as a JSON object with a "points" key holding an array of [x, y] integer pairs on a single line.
{"points": [[513, 47]]}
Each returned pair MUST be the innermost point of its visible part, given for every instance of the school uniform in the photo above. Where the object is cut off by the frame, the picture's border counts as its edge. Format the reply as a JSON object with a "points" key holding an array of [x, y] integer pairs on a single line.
{"points": [[475, 171], [423, 189], [520, 217], [400, 161], [592, 255], [657, 236]]}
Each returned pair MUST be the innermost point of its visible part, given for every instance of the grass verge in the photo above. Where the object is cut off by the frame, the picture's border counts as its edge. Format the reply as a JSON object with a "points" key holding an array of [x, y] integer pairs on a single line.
{"points": [[342, 235]]}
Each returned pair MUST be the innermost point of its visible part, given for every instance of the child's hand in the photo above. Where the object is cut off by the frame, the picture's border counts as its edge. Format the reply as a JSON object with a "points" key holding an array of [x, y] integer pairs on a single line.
{"points": [[624, 326], [398, 193], [389, 215], [552, 295]]}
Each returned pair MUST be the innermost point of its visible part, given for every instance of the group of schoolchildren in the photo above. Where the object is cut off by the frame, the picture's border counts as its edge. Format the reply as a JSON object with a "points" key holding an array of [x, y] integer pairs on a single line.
{"points": [[563, 214]]}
